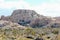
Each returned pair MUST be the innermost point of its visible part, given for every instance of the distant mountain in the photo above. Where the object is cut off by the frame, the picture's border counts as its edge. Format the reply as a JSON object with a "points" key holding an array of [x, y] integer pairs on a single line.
{"points": [[30, 18]]}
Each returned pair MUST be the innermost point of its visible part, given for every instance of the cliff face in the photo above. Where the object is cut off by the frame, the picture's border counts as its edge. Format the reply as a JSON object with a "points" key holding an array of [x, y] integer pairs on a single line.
{"points": [[23, 17], [26, 15]]}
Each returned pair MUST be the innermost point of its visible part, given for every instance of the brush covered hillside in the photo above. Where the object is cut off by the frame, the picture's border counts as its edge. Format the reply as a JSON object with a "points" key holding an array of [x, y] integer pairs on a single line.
{"points": [[28, 25]]}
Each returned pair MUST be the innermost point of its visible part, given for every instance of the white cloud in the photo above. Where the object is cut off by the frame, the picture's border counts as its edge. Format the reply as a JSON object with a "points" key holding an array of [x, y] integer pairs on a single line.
{"points": [[48, 9], [1, 0], [20, 4]]}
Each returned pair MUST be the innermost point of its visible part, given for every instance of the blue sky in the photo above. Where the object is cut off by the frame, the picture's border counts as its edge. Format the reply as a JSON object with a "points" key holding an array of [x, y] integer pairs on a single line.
{"points": [[43, 7]]}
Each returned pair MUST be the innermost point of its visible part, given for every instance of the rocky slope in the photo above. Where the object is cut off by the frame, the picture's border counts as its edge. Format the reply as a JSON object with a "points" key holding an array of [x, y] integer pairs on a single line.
{"points": [[9, 24]]}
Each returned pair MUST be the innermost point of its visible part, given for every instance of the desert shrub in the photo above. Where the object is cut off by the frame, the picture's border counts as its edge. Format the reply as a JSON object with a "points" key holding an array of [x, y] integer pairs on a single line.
{"points": [[14, 32], [8, 32], [55, 31], [39, 39], [30, 31], [42, 34]]}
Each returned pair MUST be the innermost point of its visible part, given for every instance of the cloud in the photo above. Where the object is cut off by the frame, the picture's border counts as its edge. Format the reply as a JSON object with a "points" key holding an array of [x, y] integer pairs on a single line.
{"points": [[47, 9], [11, 0], [19, 4]]}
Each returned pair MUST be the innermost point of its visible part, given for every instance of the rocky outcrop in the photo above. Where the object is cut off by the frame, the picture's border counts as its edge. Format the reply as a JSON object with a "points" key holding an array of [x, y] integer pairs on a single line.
{"points": [[27, 17], [9, 24]]}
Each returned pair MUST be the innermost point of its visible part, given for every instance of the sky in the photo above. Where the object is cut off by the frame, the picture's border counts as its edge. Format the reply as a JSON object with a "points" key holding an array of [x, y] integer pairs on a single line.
{"points": [[42, 7]]}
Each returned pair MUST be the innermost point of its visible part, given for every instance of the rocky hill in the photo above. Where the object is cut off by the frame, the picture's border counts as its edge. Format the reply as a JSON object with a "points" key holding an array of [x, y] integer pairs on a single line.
{"points": [[30, 18]]}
